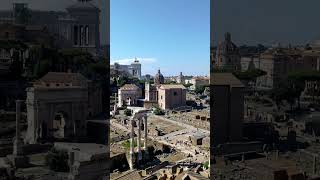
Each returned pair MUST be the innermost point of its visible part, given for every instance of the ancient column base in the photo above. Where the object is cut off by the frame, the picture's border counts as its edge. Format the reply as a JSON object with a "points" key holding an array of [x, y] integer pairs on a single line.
{"points": [[17, 147], [131, 161], [19, 161], [146, 154]]}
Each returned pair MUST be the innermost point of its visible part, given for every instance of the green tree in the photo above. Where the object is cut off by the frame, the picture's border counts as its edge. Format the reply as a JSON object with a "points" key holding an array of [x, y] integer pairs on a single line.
{"points": [[187, 85], [22, 15], [199, 89], [206, 165], [297, 85], [249, 75], [158, 111]]}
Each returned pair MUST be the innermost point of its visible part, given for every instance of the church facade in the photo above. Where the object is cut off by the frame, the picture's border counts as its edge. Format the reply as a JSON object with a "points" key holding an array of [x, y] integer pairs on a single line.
{"points": [[228, 56]]}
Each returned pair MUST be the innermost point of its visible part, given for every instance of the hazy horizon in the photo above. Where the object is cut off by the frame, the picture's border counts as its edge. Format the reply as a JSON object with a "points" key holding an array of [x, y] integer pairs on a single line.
{"points": [[265, 22]]}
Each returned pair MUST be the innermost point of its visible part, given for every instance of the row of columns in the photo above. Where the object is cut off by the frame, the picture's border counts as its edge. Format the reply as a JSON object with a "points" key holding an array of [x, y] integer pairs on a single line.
{"points": [[17, 147], [81, 35], [131, 163]]}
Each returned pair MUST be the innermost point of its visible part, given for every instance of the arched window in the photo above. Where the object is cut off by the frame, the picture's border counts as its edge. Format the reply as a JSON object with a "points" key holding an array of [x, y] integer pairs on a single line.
{"points": [[76, 34], [87, 34]]}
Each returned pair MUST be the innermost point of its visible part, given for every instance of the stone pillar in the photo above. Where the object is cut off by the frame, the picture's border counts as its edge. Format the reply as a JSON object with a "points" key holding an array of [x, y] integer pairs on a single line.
{"points": [[131, 162], [115, 104], [18, 159], [314, 166], [139, 140], [17, 149], [145, 147], [277, 154]]}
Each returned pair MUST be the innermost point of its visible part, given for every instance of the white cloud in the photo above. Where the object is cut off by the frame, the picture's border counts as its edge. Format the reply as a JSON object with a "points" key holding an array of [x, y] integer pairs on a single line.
{"points": [[128, 61]]}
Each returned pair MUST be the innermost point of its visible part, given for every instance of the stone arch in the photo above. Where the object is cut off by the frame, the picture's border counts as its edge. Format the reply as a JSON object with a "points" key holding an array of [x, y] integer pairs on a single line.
{"points": [[50, 120]]}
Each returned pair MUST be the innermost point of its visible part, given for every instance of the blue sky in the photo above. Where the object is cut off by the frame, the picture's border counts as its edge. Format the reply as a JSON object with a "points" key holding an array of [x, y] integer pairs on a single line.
{"points": [[173, 35]]}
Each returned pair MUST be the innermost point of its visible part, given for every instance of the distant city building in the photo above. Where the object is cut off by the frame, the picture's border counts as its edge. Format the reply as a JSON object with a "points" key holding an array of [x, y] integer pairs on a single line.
{"points": [[134, 69], [199, 81], [279, 62], [188, 81], [228, 56], [171, 96], [228, 109], [29, 35], [250, 62], [128, 95], [76, 27], [180, 79], [213, 57]]}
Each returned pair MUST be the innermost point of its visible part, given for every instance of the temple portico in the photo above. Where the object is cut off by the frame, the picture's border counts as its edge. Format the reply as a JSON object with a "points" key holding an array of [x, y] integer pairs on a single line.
{"points": [[138, 118]]}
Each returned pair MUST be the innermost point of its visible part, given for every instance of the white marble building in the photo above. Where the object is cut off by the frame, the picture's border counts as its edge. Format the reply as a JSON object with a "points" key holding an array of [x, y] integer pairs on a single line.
{"points": [[78, 26], [134, 69]]}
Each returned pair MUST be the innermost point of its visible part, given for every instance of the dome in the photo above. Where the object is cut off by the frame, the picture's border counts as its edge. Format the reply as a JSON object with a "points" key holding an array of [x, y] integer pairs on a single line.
{"points": [[227, 46], [159, 79]]}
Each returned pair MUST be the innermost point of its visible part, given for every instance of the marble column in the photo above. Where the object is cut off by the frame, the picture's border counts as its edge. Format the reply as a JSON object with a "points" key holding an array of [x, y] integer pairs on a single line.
{"points": [[139, 140], [17, 149], [131, 163], [115, 101], [314, 165], [145, 147]]}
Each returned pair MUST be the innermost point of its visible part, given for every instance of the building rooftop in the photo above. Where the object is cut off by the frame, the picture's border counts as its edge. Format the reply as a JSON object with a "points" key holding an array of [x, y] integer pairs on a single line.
{"points": [[201, 78], [226, 79], [172, 86], [74, 79], [83, 5], [129, 87]]}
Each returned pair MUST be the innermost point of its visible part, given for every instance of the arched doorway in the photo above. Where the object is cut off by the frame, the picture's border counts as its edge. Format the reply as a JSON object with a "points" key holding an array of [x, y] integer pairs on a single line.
{"points": [[128, 101], [59, 123]]}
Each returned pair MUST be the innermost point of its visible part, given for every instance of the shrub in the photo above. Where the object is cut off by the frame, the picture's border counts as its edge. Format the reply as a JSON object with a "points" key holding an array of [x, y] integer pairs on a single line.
{"points": [[126, 144], [57, 160], [199, 89], [127, 112], [206, 165], [158, 111]]}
